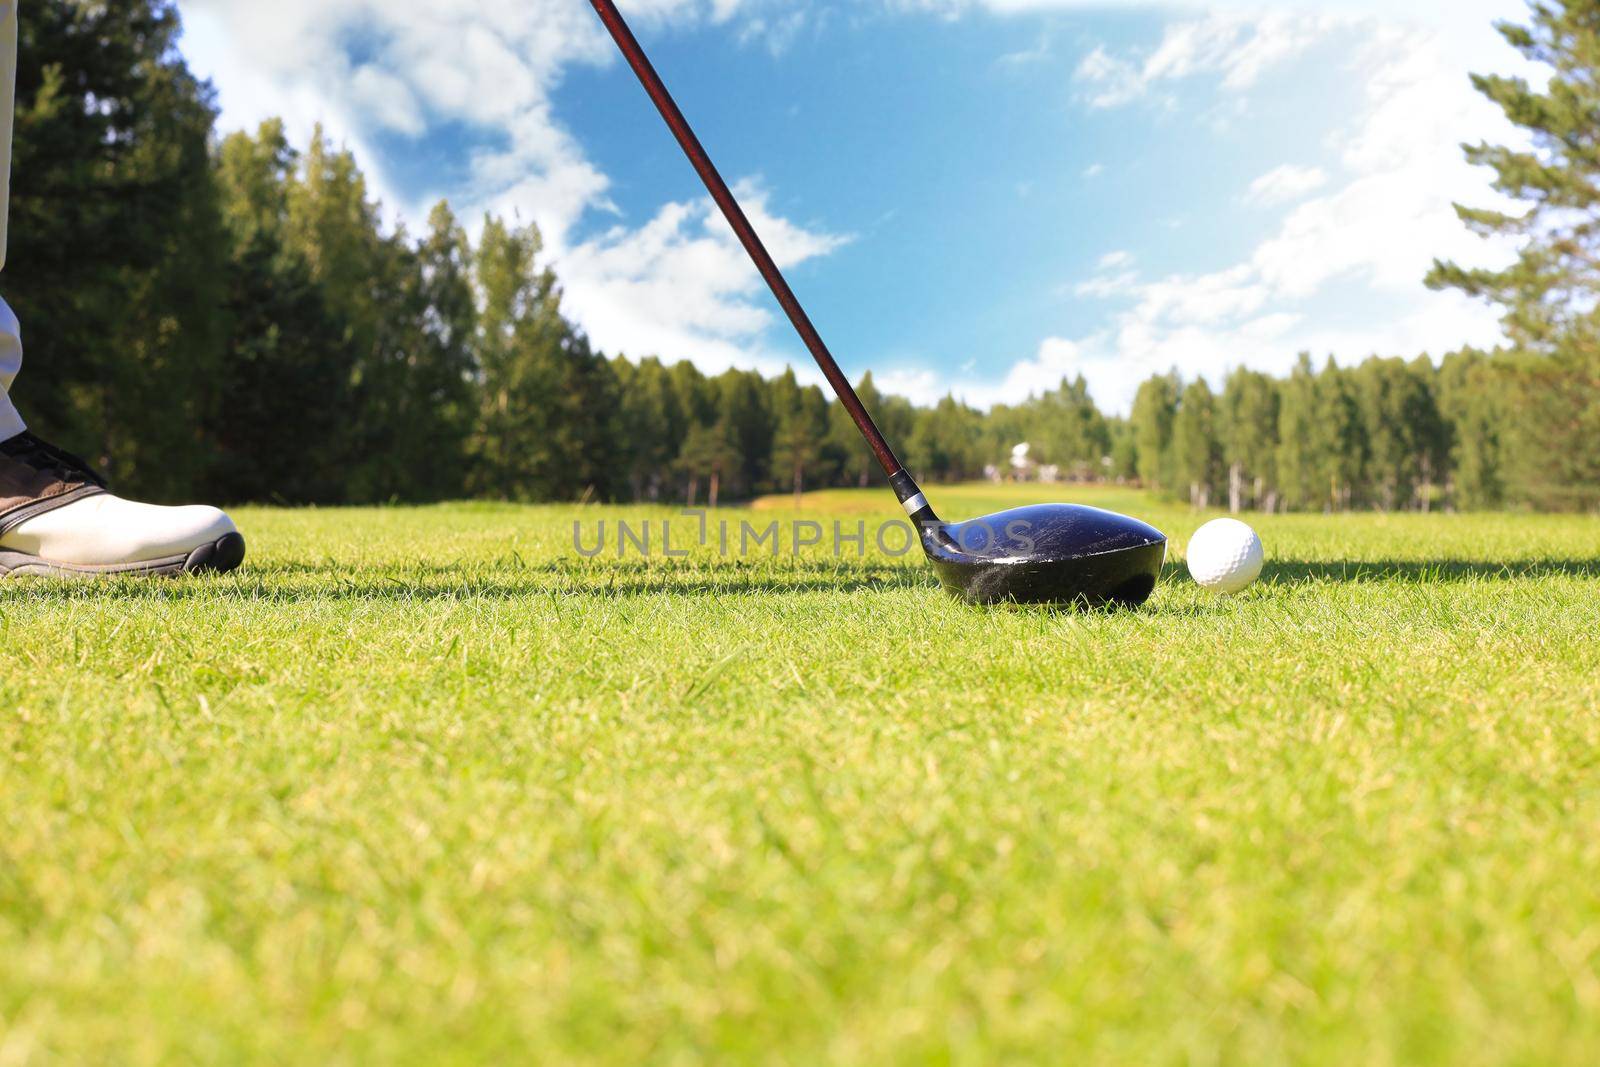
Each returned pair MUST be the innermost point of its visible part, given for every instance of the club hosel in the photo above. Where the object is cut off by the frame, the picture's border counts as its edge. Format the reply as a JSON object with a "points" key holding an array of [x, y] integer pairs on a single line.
{"points": [[917, 507]]}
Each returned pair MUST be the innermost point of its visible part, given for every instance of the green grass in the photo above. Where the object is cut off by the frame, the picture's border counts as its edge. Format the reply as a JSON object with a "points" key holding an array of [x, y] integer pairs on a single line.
{"points": [[426, 786]]}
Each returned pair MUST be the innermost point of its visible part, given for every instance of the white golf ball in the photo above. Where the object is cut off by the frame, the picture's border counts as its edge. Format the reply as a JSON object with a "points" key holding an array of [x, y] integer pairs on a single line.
{"points": [[1225, 556]]}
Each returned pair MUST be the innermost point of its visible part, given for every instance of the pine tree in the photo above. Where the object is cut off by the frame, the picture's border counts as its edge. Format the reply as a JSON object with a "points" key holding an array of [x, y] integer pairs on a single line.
{"points": [[1072, 432], [279, 429], [944, 443], [1338, 438], [802, 432], [709, 452], [653, 423], [1249, 426], [857, 465], [1551, 294], [1385, 393], [1551, 291], [521, 340], [436, 393], [742, 399], [1472, 399], [1155, 406], [1299, 466], [1196, 446], [1124, 451]]}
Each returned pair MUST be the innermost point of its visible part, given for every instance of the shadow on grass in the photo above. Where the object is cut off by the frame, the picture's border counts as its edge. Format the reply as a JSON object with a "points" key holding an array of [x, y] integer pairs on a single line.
{"points": [[499, 580], [1292, 572], [509, 579]]}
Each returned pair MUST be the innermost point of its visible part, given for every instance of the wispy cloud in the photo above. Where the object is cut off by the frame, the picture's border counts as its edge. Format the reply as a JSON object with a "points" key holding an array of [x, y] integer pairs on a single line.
{"points": [[1236, 49], [1375, 227], [1285, 184], [681, 285], [1037, 53]]}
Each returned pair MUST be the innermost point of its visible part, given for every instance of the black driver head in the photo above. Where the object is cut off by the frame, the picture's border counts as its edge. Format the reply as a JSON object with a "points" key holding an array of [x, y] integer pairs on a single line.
{"points": [[1048, 554]]}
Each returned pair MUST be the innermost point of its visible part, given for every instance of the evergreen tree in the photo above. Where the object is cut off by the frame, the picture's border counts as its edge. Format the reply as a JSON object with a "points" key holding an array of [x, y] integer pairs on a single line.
{"points": [[521, 340], [279, 428], [1551, 294], [1155, 406], [1196, 446], [436, 394], [1072, 432], [944, 443], [1553, 409], [1299, 465], [116, 243], [742, 400], [1250, 439], [802, 432], [1124, 453], [1399, 422], [1551, 291], [1338, 438], [709, 452], [653, 424], [1472, 399], [857, 465]]}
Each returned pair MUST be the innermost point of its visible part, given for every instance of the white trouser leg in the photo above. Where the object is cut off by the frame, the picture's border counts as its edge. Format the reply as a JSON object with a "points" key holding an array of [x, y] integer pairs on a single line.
{"points": [[10, 333], [10, 362]]}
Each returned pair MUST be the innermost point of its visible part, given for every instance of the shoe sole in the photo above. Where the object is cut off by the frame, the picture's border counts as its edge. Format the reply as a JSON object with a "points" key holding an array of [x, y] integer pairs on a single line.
{"points": [[215, 557]]}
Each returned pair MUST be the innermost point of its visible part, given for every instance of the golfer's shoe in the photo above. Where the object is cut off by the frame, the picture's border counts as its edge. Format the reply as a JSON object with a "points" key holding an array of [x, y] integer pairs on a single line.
{"points": [[58, 520]]}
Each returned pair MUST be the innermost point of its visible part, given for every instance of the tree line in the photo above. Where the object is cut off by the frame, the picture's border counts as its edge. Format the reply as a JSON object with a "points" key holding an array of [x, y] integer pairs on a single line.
{"points": [[229, 318]]}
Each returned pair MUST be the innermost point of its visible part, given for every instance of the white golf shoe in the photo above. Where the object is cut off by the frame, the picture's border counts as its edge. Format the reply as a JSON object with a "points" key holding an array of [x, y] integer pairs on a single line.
{"points": [[57, 519]]}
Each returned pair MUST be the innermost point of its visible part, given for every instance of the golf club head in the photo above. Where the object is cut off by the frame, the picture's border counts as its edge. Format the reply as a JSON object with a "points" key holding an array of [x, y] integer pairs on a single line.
{"points": [[1048, 554]]}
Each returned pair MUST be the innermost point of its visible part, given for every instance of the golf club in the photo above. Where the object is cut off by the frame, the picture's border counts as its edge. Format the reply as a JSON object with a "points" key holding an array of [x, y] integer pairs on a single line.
{"points": [[1045, 553]]}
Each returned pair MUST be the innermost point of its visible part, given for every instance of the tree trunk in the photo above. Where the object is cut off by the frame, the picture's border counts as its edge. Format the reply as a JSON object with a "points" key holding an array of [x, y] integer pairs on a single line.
{"points": [[694, 490], [799, 483], [1236, 488], [716, 488]]}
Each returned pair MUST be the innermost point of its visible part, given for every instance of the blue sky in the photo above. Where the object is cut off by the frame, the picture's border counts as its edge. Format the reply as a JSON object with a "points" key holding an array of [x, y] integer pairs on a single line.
{"points": [[976, 196]]}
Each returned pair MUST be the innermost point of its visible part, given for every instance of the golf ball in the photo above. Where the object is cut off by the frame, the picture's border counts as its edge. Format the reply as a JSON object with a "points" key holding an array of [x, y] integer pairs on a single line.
{"points": [[1225, 556]]}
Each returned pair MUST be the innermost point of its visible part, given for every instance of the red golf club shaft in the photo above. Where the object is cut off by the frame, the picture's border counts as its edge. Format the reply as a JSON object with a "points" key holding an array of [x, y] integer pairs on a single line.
{"points": [[747, 235]]}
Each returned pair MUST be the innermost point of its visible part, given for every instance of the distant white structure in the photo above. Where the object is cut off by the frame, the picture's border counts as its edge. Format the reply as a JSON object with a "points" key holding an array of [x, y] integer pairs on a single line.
{"points": [[1022, 465], [1049, 473]]}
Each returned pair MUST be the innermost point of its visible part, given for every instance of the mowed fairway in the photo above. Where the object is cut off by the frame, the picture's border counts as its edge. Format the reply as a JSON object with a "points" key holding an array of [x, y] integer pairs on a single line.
{"points": [[426, 786]]}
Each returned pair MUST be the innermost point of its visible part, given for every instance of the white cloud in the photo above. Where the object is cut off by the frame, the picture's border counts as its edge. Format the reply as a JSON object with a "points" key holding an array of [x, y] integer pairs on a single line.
{"points": [[1237, 48], [1286, 184], [1374, 231], [681, 286], [1111, 81], [1056, 359], [1113, 276], [1038, 53], [678, 286]]}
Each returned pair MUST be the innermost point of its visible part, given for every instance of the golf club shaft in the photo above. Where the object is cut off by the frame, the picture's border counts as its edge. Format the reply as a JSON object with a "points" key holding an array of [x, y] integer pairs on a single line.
{"points": [[903, 485]]}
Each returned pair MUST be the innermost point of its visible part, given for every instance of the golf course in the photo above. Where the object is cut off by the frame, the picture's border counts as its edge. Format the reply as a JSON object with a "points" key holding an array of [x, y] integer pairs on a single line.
{"points": [[429, 785]]}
